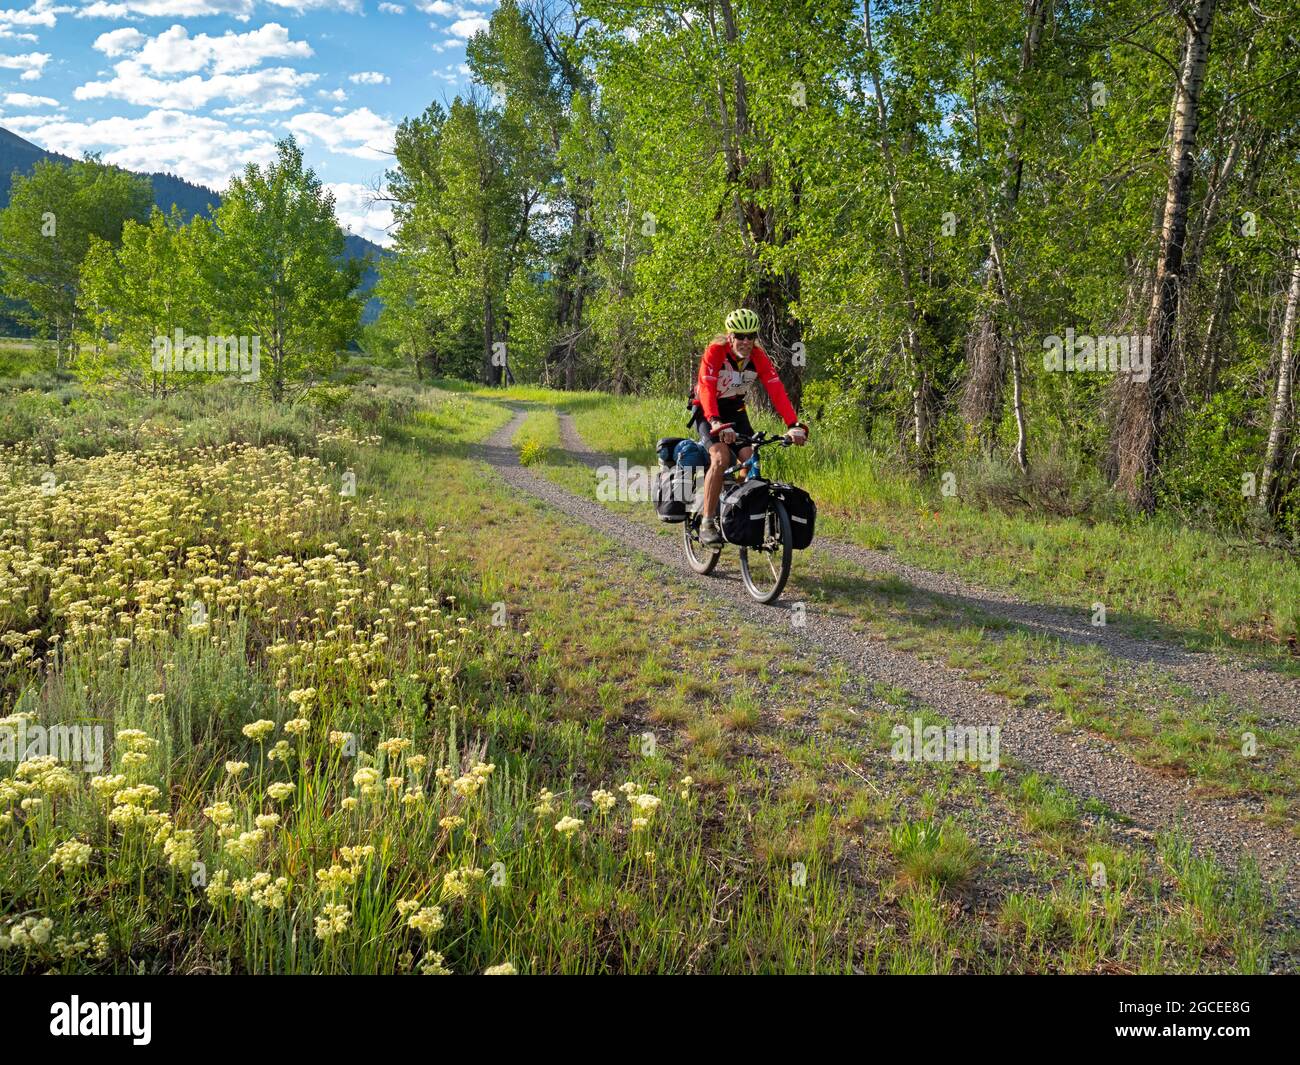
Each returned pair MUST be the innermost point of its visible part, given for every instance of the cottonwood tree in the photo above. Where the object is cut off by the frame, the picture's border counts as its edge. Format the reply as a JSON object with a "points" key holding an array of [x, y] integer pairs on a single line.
{"points": [[463, 200], [277, 270], [1144, 410], [53, 215], [532, 54], [147, 288]]}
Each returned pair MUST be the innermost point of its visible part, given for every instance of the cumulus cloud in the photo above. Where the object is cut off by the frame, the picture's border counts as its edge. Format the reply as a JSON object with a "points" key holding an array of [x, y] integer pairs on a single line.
{"points": [[175, 52], [119, 42], [31, 64], [368, 77], [392, 9], [467, 27], [359, 132], [22, 99], [237, 9], [40, 13], [272, 89], [203, 150], [446, 10], [241, 10]]}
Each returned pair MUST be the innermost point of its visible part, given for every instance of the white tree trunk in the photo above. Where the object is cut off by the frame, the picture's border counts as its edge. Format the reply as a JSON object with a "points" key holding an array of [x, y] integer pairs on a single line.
{"points": [[1280, 426]]}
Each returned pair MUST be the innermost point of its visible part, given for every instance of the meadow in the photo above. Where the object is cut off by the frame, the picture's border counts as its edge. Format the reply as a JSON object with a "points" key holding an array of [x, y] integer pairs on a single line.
{"points": [[357, 722]]}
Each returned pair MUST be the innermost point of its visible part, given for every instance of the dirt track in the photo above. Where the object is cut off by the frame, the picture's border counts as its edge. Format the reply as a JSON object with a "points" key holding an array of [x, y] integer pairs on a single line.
{"points": [[1088, 765]]}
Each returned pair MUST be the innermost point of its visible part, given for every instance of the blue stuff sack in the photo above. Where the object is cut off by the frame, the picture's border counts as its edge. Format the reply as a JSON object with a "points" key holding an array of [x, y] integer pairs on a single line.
{"points": [[690, 453], [665, 446]]}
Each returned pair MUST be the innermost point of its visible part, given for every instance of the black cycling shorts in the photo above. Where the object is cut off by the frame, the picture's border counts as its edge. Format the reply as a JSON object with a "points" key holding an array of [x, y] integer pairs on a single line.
{"points": [[739, 421]]}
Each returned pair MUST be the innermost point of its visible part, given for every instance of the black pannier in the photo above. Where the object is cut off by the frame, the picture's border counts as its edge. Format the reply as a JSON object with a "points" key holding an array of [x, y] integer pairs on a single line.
{"points": [[742, 511], [803, 513], [673, 491]]}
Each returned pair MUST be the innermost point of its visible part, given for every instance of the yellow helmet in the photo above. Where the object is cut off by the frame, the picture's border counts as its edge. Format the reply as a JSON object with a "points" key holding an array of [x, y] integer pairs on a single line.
{"points": [[742, 321]]}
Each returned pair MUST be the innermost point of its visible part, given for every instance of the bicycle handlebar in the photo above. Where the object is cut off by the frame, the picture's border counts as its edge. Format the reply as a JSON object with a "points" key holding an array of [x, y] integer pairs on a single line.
{"points": [[759, 439]]}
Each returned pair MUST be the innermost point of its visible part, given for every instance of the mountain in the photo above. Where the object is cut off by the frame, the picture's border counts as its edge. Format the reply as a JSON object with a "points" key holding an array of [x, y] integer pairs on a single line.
{"points": [[22, 155]]}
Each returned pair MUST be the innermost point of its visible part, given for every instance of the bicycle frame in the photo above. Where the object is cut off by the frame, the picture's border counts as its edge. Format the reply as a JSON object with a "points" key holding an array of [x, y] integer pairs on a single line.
{"points": [[704, 561], [751, 465]]}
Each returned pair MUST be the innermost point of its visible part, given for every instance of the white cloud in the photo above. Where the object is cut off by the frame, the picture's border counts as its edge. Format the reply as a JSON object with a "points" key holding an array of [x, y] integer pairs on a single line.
{"points": [[360, 132], [31, 64], [392, 9], [119, 42], [174, 51], [467, 27], [368, 77], [354, 212], [300, 6], [22, 99], [41, 13], [332, 94], [20, 123], [443, 8], [199, 149], [273, 89], [237, 9]]}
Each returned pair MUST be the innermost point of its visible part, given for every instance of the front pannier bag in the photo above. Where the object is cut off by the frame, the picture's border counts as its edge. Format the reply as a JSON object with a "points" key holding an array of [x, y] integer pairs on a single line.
{"points": [[803, 514], [741, 513]]}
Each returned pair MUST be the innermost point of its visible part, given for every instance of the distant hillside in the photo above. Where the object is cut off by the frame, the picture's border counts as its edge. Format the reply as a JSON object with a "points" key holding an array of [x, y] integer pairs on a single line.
{"points": [[168, 189]]}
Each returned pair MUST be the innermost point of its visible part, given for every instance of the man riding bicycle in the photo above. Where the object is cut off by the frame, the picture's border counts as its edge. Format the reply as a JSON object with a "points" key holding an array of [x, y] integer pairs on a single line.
{"points": [[730, 365]]}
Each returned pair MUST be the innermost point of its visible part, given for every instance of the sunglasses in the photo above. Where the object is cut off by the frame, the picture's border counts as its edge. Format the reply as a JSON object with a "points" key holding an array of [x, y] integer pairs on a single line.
{"points": [[745, 336]]}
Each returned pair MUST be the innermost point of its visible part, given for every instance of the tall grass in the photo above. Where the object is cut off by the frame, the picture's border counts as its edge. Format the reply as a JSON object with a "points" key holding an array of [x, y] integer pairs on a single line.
{"points": [[1184, 582]]}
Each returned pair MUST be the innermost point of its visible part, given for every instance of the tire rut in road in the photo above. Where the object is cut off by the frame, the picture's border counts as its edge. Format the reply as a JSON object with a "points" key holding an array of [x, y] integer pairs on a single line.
{"points": [[1087, 765], [1250, 685]]}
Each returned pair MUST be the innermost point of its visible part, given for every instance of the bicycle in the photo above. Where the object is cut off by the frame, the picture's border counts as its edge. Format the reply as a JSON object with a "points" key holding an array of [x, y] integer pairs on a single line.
{"points": [[777, 538]]}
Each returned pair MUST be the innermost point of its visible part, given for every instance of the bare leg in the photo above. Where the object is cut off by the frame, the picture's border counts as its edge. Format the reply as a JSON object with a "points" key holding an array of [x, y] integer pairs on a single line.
{"points": [[720, 459]]}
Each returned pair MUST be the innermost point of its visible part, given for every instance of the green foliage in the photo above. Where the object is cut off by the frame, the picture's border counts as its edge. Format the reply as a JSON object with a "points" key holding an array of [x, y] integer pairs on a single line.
{"points": [[54, 216], [273, 258]]}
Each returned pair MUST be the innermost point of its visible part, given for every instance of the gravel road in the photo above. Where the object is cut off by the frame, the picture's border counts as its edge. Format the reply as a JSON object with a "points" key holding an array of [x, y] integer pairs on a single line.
{"points": [[1088, 765]]}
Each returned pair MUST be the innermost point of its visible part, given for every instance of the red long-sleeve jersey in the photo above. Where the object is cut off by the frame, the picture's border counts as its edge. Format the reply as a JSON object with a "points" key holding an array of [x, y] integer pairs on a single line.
{"points": [[720, 378]]}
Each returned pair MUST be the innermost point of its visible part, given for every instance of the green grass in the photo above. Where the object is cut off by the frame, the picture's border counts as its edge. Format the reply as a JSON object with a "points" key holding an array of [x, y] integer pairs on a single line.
{"points": [[794, 848], [1156, 576], [1157, 721]]}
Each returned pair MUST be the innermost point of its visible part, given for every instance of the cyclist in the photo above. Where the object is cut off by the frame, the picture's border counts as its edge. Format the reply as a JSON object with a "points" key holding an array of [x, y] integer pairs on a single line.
{"points": [[730, 365]]}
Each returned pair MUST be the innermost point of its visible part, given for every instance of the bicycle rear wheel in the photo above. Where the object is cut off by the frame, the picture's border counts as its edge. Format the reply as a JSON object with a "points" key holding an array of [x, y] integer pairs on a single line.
{"points": [[770, 568]]}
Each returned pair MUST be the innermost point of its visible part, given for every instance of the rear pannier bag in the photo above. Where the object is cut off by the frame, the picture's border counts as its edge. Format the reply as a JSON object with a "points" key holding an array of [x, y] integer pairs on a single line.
{"points": [[742, 511], [665, 446], [803, 514], [690, 453], [673, 490]]}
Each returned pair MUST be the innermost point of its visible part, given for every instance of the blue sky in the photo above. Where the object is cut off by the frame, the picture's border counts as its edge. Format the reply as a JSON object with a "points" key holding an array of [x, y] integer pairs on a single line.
{"points": [[202, 87]]}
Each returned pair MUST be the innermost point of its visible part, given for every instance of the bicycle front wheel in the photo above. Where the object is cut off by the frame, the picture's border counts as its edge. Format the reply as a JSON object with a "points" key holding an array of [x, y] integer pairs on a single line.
{"points": [[766, 569], [700, 557]]}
